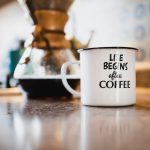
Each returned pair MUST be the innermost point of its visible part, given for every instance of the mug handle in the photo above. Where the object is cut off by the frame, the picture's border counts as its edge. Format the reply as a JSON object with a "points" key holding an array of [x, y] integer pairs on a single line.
{"points": [[64, 78]]}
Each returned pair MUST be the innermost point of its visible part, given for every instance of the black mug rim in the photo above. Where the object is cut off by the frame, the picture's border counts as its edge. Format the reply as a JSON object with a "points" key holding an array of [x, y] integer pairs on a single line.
{"points": [[112, 47]]}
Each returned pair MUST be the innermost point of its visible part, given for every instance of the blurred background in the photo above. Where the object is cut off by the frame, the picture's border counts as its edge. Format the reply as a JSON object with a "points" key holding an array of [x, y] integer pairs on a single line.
{"points": [[46, 123], [105, 23]]}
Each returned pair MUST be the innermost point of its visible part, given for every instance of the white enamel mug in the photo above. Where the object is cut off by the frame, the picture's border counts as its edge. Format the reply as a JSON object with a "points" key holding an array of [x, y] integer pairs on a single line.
{"points": [[107, 76]]}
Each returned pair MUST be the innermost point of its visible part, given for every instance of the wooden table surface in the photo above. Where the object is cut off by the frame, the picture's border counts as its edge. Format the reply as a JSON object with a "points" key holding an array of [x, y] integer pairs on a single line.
{"points": [[64, 124]]}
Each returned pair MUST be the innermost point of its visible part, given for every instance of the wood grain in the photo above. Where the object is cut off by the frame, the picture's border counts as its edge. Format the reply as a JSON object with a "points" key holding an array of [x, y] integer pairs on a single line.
{"points": [[143, 74], [64, 124]]}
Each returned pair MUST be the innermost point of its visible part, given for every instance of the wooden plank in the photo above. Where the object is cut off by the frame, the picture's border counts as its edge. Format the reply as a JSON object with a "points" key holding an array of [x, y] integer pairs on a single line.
{"points": [[65, 124], [143, 97], [9, 91]]}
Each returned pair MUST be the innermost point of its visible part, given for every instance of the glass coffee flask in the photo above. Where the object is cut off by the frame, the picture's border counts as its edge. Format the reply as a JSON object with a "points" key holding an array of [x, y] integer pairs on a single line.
{"points": [[38, 71]]}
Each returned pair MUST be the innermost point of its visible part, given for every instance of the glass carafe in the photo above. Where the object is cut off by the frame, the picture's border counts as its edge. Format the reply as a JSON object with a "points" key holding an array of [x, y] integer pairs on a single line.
{"points": [[38, 71]]}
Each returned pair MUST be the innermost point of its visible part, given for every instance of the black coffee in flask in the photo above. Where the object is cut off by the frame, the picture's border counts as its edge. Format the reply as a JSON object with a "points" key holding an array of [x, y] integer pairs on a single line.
{"points": [[38, 71]]}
